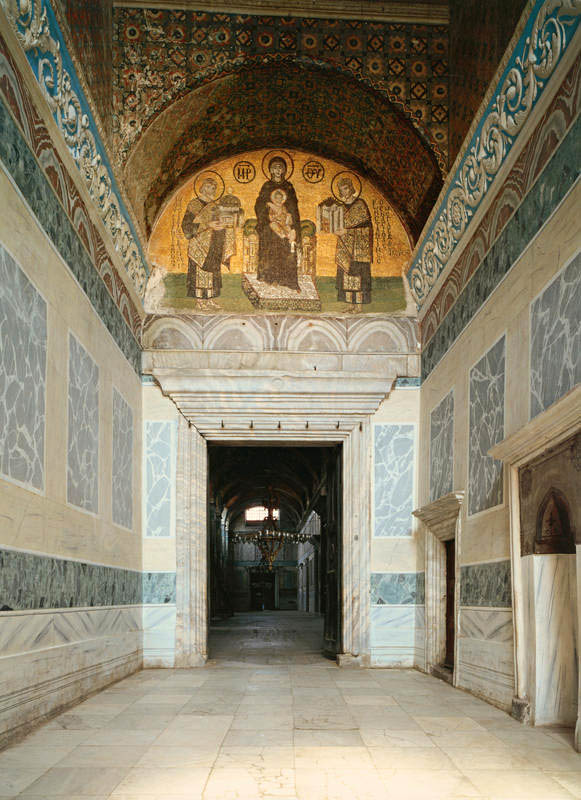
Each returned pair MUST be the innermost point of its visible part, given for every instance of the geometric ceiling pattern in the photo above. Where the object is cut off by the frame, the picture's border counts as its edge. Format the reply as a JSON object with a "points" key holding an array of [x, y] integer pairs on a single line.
{"points": [[315, 110], [161, 55]]}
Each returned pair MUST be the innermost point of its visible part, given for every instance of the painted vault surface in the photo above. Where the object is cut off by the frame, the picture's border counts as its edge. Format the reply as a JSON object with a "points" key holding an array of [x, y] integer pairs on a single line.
{"points": [[278, 230]]}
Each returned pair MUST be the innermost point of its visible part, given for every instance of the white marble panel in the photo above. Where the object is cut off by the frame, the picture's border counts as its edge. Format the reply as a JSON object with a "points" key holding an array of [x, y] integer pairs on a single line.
{"points": [[83, 429], [122, 486], [160, 467], [555, 590], [556, 338], [53, 658], [394, 452], [486, 668], [442, 448], [159, 635], [23, 333], [486, 429], [392, 635], [486, 624]]}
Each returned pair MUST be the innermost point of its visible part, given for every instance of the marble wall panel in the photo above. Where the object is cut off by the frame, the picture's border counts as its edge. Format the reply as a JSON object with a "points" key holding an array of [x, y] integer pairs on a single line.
{"points": [[394, 450], [160, 458], [83, 429], [485, 488], [30, 581], [486, 585], [122, 488], [556, 338], [159, 587], [442, 448], [392, 635], [397, 588], [486, 625], [23, 332], [159, 636]]}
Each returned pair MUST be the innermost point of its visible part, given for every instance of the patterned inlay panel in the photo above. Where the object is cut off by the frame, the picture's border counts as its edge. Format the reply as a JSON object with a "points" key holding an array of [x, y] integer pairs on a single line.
{"points": [[397, 588], [23, 332], [160, 455], [556, 338], [122, 488], [394, 479], [442, 448], [486, 429], [28, 580], [83, 429], [486, 585]]}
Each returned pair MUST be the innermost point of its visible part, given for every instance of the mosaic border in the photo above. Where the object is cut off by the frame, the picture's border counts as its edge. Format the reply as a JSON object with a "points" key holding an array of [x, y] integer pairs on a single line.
{"points": [[45, 47], [546, 35], [556, 180], [486, 585]]}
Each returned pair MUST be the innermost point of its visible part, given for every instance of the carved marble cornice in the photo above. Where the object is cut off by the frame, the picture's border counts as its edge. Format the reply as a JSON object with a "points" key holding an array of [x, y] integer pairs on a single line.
{"points": [[441, 515], [550, 427], [545, 31], [434, 12]]}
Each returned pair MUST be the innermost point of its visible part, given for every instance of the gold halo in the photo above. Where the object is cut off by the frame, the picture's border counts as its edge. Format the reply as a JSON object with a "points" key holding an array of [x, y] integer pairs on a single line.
{"points": [[356, 183], [290, 166], [209, 173]]}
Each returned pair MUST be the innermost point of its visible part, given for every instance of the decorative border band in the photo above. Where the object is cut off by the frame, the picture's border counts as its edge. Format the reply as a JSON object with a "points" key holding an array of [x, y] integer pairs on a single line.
{"points": [[547, 33], [32, 581], [37, 28]]}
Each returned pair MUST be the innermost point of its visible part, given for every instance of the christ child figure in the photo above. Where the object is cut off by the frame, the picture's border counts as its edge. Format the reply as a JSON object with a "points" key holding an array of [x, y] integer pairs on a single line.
{"points": [[280, 219]]}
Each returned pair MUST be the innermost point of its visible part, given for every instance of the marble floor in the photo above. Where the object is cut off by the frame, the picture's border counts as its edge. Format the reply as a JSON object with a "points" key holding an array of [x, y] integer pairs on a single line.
{"points": [[243, 727]]}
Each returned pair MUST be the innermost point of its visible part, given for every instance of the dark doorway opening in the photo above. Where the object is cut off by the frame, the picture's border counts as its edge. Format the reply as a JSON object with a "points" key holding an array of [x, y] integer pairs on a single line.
{"points": [[450, 594], [291, 607]]}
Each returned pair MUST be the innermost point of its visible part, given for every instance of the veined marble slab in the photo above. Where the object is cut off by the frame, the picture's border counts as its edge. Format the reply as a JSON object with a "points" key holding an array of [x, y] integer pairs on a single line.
{"points": [[83, 429], [159, 635], [556, 338], [487, 584], [22, 376], [486, 625], [486, 429], [442, 448], [160, 470], [122, 483], [397, 588], [159, 587], [394, 450], [393, 635]]}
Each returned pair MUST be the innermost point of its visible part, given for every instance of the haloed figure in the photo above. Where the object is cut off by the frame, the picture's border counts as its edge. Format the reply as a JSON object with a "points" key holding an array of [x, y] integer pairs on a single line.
{"points": [[354, 251], [278, 228], [211, 242]]}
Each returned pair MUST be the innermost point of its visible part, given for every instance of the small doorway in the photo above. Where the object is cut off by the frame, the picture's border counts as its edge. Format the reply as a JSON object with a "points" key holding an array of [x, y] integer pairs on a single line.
{"points": [[450, 546]]}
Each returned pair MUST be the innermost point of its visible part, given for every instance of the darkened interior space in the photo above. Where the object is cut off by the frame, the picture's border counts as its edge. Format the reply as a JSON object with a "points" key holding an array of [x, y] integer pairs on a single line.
{"points": [[274, 525]]}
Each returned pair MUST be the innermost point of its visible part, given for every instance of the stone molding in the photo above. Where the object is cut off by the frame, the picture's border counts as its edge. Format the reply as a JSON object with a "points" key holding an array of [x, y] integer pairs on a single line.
{"points": [[37, 29], [440, 516], [429, 13], [535, 51]]}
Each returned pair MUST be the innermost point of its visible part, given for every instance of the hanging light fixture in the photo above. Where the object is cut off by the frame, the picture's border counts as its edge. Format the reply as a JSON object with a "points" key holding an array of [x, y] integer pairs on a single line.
{"points": [[269, 539]]}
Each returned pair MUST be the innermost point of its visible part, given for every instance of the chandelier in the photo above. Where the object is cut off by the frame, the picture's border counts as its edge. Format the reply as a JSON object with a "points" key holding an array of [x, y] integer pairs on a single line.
{"points": [[269, 539]]}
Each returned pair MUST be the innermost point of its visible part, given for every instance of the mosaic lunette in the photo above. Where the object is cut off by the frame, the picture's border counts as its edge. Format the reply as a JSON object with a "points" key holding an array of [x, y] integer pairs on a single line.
{"points": [[394, 471], [23, 331], [122, 488], [486, 429], [556, 338], [83, 429], [442, 448], [159, 469]]}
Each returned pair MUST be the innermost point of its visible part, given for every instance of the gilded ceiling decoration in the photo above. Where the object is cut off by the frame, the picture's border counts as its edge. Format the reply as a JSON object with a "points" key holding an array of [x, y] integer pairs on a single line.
{"points": [[162, 55]]}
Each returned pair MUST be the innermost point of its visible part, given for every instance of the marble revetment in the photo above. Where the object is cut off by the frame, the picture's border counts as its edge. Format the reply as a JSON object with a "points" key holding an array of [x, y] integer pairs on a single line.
{"points": [[23, 332], [486, 584], [83, 429], [122, 487], [486, 429], [442, 448], [556, 338], [397, 588], [394, 479], [160, 458], [159, 587]]}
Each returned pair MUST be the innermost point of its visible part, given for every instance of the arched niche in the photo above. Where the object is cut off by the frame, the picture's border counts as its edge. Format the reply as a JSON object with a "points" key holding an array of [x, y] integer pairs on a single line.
{"points": [[554, 533]]}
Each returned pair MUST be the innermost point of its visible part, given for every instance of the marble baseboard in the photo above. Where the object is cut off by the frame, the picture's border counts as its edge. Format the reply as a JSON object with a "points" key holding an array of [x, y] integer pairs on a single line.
{"points": [[396, 638], [159, 636], [486, 668], [53, 659]]}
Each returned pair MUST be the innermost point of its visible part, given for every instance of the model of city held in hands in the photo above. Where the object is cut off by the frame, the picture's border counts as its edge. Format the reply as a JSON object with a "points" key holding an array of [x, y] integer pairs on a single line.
{"points": [[278, 231]]}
